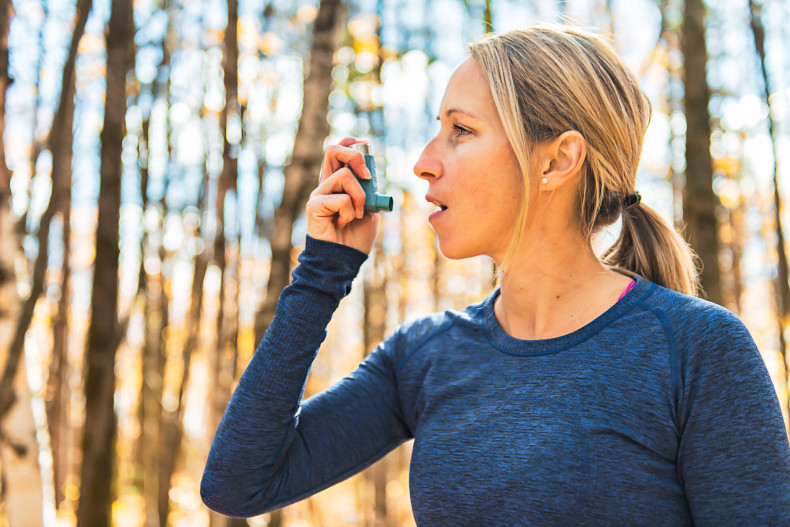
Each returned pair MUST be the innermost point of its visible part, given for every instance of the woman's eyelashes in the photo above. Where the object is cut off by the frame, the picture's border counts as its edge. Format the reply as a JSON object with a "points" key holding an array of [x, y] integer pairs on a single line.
{"points": [[461, 130]]}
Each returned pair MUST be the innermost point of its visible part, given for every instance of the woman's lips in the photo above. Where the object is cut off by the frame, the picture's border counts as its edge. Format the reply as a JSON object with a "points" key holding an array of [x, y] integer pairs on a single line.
{"points": [[436, 214], [435, 202]]}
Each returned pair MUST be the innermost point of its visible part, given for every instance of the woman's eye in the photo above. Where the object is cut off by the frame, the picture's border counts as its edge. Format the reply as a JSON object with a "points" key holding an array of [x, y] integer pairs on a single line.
{"points": [[460, 130]]}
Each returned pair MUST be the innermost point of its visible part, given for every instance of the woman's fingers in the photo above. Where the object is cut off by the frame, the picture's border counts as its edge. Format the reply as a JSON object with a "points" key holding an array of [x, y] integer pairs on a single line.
{"points": [[338, 156], [343, 182], [329, 205], [336, 208]]}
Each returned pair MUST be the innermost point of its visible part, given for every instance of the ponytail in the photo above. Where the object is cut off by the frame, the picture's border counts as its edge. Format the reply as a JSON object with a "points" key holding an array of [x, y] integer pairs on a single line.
{"points": [[652, 249]]}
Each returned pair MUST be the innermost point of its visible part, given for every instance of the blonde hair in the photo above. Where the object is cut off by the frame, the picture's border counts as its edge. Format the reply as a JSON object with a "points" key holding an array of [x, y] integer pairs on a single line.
{"points": [[547, 80]]}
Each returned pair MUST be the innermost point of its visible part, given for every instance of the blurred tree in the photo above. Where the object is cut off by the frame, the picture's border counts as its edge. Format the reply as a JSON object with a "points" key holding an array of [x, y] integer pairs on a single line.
{"points": [[783, 272], [98, 444], [736, 245], [699, 201], [670, 34], [20, 477], [39, 143], [172, 419], [375, 305], [142, 447], [153, 447], [8, 294], [225, 352], [60, 144], [58, 392], [302, 171], [6, 269], [154, 354]]}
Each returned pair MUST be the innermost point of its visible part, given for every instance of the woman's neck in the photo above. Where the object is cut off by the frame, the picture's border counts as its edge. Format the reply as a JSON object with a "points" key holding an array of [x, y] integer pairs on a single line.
{"points": [[553, 286]]}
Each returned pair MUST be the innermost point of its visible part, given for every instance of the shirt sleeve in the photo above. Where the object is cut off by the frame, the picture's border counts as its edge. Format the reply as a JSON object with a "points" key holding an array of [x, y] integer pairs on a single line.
{"points": [[270, 449], [734, 456]]}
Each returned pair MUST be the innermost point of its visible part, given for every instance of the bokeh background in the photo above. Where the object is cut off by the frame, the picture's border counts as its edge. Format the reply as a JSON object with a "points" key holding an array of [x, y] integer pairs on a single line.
{"points": [[157, 158]]}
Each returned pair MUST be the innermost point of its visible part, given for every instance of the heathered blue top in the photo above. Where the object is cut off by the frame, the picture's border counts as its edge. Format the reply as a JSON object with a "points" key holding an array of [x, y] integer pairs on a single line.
{"points": [[658, 412]]}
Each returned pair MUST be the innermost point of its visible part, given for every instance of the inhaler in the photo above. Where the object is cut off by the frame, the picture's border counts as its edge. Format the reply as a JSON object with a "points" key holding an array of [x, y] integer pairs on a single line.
{"points": [[374, 202]]}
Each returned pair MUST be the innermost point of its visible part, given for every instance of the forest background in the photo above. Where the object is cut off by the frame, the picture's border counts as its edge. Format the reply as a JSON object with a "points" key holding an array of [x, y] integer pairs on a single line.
{"points": [[156, 159]]}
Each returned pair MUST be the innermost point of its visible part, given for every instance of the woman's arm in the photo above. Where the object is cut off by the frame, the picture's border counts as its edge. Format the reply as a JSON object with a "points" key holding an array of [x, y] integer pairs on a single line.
{"points": [[269, 450]]}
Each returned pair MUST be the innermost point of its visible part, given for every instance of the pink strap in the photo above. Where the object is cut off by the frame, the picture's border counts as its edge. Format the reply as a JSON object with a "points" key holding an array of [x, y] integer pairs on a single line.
{"points": [[630, 286]]}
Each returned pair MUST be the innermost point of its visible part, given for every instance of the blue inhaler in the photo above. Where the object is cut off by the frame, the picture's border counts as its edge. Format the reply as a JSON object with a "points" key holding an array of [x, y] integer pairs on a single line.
{"points": [[374, 202]]}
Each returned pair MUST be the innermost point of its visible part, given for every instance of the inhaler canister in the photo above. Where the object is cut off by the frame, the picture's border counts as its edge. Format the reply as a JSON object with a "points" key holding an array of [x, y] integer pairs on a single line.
{"points": [[374, 202]]}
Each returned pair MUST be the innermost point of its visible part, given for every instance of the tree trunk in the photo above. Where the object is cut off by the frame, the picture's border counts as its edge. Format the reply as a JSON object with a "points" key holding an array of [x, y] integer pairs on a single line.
{"points": [[782, 283], [736, 248], [153, 364], [21, 488], [22, 483], [58, 392], [139, 454], [173, 422], [223, 366], [375, 317], [301, 174], [610, 12], [9, 299], [488, 24], [699, 201], [98, 444], [153, 446], [60, 142]]}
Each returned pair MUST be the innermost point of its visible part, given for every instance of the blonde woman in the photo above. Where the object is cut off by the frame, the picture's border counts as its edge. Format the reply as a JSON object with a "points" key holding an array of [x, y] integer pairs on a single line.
{"points": [[582, 391]]}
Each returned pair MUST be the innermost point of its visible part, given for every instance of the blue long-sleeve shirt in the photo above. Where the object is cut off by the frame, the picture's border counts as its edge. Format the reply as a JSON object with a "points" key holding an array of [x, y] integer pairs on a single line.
{"points": [[659, 412]]}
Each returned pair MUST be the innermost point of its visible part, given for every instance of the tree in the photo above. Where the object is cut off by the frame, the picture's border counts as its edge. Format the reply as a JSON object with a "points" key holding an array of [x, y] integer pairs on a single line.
{"points": [[152, 447], [8, 295], [21, 486], [60, 145], [783, 271], [98, 444], [699, 201], [301, 174], [225, 352]]}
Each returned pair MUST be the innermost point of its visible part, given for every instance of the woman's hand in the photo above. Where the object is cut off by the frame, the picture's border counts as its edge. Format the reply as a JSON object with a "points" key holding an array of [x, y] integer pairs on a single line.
{"points": [[335, 210]]}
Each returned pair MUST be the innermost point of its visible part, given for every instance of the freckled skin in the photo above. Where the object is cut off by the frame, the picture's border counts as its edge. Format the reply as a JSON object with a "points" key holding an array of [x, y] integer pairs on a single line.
{"points": [[471, 168]]}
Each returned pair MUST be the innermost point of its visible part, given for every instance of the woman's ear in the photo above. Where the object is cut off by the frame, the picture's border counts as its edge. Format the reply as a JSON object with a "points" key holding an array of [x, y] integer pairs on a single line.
{"points": [[561, 159]]}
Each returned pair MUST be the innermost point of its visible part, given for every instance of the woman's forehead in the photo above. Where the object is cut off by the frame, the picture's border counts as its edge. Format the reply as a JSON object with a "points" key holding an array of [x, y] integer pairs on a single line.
{"points": [[468, 93]]}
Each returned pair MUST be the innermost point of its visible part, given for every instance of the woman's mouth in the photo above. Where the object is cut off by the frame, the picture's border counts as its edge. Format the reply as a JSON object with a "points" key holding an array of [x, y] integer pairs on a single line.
{"points": [[439, 207]]}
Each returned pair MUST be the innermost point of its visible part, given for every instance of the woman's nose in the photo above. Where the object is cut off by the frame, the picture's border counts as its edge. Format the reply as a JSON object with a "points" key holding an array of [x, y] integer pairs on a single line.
{"points": [[428, 166]]}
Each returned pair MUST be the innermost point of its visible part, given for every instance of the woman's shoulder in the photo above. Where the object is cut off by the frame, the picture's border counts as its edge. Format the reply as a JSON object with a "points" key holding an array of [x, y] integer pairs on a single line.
{"points": [[433, 331], [698, 325], [418, 328], [691, 311]]}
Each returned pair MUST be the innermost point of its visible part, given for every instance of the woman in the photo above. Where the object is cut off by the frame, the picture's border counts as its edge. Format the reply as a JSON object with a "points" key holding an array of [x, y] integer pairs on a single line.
{"points": [[581, 391]]}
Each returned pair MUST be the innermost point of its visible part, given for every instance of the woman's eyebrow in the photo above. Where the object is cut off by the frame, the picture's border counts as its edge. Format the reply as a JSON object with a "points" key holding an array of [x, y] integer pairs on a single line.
{"points": [[451, 111]]}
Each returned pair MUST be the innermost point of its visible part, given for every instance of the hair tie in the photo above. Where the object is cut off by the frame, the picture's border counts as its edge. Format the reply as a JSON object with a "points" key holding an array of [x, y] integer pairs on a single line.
{"points": [[629, 202]]}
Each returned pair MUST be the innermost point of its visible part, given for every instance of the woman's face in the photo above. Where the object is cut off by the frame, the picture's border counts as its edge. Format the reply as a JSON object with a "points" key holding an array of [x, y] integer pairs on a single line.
{"points": [[471, 171]]}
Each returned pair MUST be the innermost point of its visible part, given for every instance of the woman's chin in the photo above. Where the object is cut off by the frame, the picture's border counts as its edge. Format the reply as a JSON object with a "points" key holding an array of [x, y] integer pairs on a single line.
{"points": [[454, 251]]}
